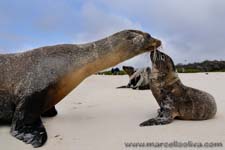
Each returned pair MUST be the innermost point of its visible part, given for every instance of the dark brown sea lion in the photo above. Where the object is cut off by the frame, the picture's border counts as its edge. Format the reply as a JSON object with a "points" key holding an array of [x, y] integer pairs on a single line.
{"points": [[33, 82], [175, 99]]}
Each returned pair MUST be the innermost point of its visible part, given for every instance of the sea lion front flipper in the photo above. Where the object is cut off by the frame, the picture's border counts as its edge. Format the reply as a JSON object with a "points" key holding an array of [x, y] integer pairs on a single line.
{"points": [[165, 116], [27, 125], [166, 113], [31, 134], [52, 112]]}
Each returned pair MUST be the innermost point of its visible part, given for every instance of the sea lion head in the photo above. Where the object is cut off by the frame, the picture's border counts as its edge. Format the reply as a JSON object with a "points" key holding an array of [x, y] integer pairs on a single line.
{"points": [[162, 64], [129, 70], [134, 42]]}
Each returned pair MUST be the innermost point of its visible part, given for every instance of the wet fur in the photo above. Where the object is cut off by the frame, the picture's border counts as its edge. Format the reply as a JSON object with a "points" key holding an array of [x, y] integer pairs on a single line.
{"points": [[175, 99]]}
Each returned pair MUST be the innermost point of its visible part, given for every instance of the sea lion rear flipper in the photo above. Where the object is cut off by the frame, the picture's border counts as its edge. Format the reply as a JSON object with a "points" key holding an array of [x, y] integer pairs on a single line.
{"points": [[27, 125], [164, 117], [52, 112]]}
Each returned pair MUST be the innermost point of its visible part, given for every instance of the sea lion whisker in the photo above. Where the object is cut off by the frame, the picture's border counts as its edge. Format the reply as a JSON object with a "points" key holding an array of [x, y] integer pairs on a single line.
{"points": [[154, 55]]}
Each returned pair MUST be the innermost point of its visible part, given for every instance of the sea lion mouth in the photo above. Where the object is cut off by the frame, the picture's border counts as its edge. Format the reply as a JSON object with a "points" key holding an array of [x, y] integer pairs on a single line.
{"points": [[154, 45], [157, 43]]}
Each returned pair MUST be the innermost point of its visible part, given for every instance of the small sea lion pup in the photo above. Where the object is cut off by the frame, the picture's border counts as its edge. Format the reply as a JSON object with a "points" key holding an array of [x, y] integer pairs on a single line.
{"points": [[175, 99], [139, 79], [33, 82]]}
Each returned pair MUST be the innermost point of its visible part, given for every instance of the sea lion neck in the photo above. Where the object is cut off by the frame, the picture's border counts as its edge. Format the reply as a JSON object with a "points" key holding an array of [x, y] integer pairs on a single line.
{"points": [[86, 59]]}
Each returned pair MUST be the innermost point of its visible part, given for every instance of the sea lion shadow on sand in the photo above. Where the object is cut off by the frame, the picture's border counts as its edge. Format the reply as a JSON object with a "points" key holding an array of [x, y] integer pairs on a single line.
{"points": [[175, 99]]}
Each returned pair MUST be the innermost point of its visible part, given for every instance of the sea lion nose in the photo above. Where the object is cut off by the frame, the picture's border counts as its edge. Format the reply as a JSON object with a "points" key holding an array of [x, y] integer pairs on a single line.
{"points": [[154, 42], [158, 43]]}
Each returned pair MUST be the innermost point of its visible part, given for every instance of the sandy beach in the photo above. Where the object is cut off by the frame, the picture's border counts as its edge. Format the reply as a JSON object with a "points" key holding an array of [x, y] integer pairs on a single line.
{"points": [[97, 116]]}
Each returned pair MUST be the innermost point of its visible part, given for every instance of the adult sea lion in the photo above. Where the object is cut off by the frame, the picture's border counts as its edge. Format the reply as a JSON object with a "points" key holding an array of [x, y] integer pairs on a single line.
{"points": [[33, 82], [175, 99]]}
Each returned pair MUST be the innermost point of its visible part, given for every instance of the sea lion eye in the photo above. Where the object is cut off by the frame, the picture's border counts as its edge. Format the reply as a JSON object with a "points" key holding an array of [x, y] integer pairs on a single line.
{"points": [[162, 57], [148, 36]]}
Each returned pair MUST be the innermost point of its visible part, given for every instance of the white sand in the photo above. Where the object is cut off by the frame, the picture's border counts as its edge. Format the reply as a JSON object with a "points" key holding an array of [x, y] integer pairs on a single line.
{"points": [[97, 116]]}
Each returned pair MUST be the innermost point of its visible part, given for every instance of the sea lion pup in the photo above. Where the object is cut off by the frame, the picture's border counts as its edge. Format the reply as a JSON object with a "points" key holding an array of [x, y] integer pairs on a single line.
{"points": [[139, 79], [33, 82], [129, 71], [175, 99]]}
